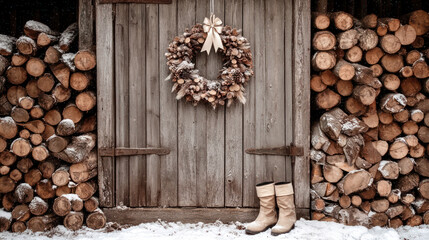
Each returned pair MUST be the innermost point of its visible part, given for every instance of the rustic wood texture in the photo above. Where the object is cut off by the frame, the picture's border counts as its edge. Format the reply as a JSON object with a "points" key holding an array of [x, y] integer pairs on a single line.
{"points": [[86, 24], [105, 100], [207, 165]]}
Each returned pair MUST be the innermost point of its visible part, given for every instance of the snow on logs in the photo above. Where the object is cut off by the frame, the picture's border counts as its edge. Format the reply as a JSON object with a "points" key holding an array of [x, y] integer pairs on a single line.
{"points": [[48, 164], [370, 142]]}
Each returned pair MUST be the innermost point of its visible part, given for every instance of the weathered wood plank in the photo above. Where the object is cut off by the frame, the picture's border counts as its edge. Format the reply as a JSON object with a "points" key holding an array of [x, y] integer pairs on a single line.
{"points": [[249, 112], [274, 117], [86, 24], [215, 132], [234, 126], [122, 101], [135, 216], [153, 166], [137, 102], [288, 14], [187, 145], [301, 109], [105, 102], [168, 108], [202, 10], [261, 168]]}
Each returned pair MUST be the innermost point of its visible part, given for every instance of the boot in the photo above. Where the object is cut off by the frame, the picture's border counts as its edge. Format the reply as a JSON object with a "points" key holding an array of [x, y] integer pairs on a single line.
{"points": [[285, 203], [267, 216]]}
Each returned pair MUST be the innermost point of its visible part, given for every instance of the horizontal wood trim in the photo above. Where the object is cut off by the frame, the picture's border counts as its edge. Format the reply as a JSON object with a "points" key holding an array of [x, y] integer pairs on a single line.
{"points": [[135, 216], [136, 1], [280, 151], [112, 152]]}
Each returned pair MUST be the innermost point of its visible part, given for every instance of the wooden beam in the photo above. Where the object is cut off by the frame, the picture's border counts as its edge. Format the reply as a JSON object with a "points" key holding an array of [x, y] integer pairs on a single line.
{"points": [[105, 102], [280, 151], [135, 216], [301, 104], [137, 1], [112, 152], [86, 25]]}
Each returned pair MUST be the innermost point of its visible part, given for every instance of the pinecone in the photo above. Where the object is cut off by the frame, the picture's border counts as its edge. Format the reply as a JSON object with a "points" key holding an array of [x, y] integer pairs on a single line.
{"points": [[236, 76]]}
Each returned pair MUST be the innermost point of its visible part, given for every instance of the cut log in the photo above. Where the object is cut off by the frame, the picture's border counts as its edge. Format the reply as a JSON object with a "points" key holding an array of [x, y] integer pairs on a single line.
{"points": [[24, 193], [61, 94], [394, 211], [393, 24], [46, 82], [423, 134], [46, 101], [61, 176], [85, 59], [45, 39], [68, 60], [389, 169], [352, 148], [390, 81], [67, 37], [43, 223], [26, 45], [52, 55], [91, 204], [380, 206], [21, 213], [36, 139], [331, 123], [15, 175], [321, 21], [342, 20], [407, 213], [418, 43], [374, 55], [7, 45], [417, 151], [347, 39], [47, 168], [355, 107], [415, 221], [33, 177], [23, 165], [26, 102], [44, 189], [16, 75], [354, 182], [21, 147], [56, 143], [33, 28], [14, 93], [85, 101], [332, 174], [406, 34], [49, 131], [411, 140], [328, 78], [19, 114], [369, 21], [379, 219], [73, 221], [417, 115], [354, 54], [323, 60], [35, 67], [344, 88], [8, 128], [394, 196], [406, 165], [356, 200], [422, 166], [407, 199], [410, 128], [393, 102], [86, 190], [79, 148], [390, 43], [344, 70], [408, 182], [410, 86], [365, 94], [406, 72], [398, 149], [32, 89], [384, 188], [424, 188], [96, 220], [419, 20], [423, 105], [18, 227], [80, 81], [62, 73], [35, 126], [377, 70], [40, 153], [53, 117], [87, 169], [392, 62], [345, 201]]}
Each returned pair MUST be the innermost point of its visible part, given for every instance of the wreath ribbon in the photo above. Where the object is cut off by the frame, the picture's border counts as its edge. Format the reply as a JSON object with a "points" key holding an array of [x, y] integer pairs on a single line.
{"points": [[212, 27]]}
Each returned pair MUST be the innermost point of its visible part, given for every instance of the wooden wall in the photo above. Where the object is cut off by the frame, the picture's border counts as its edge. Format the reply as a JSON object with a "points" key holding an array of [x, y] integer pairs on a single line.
{"points": [[207, 166]]}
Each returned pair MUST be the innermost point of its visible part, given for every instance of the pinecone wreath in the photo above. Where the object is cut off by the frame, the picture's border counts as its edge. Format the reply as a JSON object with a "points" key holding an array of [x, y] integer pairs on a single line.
{"points": [[235, 73]]}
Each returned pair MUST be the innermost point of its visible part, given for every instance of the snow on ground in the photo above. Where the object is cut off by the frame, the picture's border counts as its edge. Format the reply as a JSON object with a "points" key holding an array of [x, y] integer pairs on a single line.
{"points": [[304, 230]]}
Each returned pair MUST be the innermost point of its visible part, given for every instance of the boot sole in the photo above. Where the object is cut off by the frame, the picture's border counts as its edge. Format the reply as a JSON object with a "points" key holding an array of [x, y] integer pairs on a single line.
{"points": [[249, 232], [276, 234]]}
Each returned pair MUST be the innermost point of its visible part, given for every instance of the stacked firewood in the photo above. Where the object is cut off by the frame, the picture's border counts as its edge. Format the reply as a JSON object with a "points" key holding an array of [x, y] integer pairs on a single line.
{"points": [[370, 132], [48, 164]]}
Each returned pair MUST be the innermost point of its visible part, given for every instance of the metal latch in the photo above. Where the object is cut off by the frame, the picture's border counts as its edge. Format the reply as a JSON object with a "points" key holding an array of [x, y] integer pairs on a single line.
{"points": [[282, 151], [112, 152]]}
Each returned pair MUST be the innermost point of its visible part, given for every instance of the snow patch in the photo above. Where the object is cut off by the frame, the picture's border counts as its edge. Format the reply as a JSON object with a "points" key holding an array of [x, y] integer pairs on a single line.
{"points": [[72, 197], [37, 201], [4, 214]]}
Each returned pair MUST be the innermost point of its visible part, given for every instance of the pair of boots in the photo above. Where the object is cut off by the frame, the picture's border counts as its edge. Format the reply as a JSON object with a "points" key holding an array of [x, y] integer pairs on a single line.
{"points": [[267, 193]]}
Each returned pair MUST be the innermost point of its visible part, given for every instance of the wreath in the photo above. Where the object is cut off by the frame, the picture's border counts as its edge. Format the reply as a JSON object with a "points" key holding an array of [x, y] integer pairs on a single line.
{"points": [[235, 73]]}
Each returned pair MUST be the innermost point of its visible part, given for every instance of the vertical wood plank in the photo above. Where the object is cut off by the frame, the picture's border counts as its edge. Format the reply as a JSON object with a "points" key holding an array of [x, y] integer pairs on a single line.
{"points": [[86, 24], [202, 10], [234, 126], [249, 113], [301, 107], [122, 111], [152, 105], [274, 117], [288, 28], [215, 132], [105, 102], [261, 169], [168, 107], [187, 145], [137, 102]]}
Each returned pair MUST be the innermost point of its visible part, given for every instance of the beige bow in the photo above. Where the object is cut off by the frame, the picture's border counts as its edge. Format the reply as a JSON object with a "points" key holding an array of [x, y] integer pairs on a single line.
{"points": [[212, 27]]}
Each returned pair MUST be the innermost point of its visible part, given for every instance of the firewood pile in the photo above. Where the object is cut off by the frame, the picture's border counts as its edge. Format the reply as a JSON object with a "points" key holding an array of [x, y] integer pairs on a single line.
{"points": [[370, 132], [48, 164]]}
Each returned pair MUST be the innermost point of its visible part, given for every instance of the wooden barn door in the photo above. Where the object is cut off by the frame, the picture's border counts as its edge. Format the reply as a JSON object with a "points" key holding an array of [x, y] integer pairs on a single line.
{"points": [[207, 165]]}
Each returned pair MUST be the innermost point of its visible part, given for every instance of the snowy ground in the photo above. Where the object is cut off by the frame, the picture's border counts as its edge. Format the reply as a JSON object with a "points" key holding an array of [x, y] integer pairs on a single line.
{"points": [[163, 230]]}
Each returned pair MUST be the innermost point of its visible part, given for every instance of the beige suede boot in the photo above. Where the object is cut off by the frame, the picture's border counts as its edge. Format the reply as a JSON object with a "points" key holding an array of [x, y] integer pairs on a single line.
{"points": [[267, 216], [285, 203]]}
